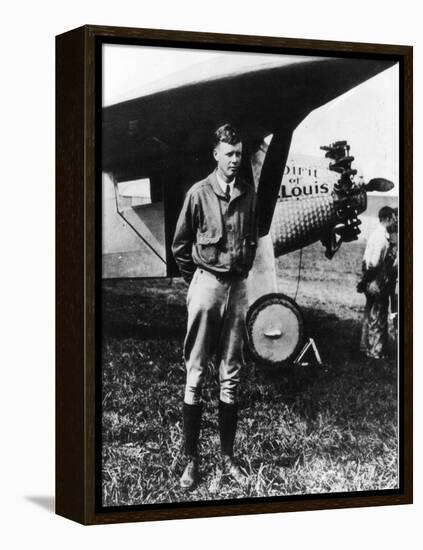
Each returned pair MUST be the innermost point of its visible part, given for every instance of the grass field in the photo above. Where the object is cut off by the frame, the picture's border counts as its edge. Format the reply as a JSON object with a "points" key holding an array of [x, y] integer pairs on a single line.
{"points": [[303, 431]]}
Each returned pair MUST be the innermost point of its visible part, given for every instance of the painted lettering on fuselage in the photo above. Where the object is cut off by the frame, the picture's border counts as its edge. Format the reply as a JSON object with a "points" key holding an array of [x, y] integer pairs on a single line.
{"points": [[302, 181]]}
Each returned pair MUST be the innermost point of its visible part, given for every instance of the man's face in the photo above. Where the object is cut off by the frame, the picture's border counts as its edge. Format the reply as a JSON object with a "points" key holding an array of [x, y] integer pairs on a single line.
{"points": [[389, 222], [393, 224], [228, 158]]}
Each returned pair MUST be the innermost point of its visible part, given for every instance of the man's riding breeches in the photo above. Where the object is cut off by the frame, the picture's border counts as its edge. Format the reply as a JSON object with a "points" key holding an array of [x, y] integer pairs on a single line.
{"points": [[215, 332]]}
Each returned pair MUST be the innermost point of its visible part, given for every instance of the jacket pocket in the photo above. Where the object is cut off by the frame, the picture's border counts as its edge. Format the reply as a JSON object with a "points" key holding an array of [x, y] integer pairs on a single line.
{"points": [[207, 247]]}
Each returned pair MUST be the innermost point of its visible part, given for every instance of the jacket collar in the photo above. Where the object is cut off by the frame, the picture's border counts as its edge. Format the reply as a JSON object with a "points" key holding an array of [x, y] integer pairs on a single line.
{"points": [[238, 190]]}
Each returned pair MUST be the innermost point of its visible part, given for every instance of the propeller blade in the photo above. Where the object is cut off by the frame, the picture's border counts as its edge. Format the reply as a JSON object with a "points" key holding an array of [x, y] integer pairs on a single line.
{"points": [[379, 184]]}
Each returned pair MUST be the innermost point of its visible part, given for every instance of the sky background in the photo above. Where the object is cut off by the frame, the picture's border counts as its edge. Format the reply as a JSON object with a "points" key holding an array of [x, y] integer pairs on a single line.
{"points": [[367, 116]]}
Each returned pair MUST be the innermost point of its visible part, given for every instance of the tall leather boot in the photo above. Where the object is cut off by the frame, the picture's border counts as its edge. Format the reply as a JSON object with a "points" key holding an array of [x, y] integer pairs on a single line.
{"points": [[192, 422], [228, 418]]}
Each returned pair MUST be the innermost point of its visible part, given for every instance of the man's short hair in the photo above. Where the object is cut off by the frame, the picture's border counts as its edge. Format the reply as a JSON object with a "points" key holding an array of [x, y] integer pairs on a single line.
{"points": [[385, 213], [226, 134]]}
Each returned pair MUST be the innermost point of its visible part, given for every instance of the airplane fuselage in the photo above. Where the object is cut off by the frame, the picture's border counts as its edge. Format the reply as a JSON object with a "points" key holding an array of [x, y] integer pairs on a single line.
{"points": [[133, 229]]}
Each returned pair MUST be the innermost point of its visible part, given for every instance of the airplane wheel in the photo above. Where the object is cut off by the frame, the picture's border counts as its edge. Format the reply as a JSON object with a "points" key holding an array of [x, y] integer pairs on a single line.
{"points": [[275, 329]]}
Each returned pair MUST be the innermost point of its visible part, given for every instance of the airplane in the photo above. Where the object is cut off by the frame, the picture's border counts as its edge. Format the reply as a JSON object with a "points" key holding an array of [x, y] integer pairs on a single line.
{"points": [[157, 144]]}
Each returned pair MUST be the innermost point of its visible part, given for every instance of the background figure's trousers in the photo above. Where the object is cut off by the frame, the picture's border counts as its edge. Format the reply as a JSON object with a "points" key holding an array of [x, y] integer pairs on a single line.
{"points": [[216, 327], [374, 333]]}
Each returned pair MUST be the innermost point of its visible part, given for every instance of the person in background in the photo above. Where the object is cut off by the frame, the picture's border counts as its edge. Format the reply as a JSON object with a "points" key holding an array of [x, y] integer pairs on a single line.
{"points": [[378, 284], [392, 269]]}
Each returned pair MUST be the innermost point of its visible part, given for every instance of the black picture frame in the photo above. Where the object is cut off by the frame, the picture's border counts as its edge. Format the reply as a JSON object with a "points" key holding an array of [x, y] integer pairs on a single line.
{"points": [[78, 303]]}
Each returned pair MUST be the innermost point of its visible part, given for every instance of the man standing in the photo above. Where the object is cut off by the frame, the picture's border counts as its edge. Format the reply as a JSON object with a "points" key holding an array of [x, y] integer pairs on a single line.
{"points": [[376, 285], [214, 246]]}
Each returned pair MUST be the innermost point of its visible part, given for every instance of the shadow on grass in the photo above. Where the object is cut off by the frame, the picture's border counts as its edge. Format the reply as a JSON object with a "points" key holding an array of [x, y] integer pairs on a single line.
{"points": [[143, 316], [338, 342]]}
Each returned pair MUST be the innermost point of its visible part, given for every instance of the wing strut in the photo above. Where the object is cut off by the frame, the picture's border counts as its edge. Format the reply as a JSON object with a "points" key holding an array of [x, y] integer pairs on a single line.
{"points": [[271, 177]]}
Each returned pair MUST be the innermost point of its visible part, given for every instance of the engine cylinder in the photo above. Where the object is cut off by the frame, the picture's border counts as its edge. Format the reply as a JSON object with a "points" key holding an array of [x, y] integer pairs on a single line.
{"points": [[305, 220]]}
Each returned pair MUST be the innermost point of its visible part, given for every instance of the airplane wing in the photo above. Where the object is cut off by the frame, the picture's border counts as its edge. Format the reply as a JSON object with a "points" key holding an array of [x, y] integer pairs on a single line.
{"points": [[164, 133]]}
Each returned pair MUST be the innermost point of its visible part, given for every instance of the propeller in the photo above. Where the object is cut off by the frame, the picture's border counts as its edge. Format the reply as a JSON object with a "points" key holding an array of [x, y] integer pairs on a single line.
{"points": [[379, 184]]}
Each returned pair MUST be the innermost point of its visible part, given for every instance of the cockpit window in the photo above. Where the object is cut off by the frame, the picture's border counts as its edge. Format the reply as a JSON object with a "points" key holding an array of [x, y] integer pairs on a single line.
{"points": [[135, 192]]}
